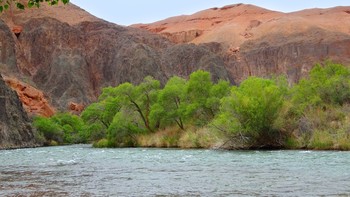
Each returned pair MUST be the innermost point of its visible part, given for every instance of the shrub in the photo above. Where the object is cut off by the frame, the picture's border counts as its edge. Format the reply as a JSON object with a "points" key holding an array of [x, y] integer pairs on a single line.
{"points": [[200, 138], [250, 112], [321, 140], [328, 84], [102, 143], [49, 129], [168, 137]]}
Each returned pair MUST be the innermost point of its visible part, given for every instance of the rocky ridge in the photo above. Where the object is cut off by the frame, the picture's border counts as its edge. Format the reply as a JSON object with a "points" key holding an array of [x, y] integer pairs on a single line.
{"points": [[260, 42]]}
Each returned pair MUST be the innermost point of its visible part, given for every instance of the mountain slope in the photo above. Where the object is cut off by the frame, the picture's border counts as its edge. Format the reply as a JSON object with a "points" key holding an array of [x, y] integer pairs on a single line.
{"points": [[260, 42], [235, 24], [71, 62]]}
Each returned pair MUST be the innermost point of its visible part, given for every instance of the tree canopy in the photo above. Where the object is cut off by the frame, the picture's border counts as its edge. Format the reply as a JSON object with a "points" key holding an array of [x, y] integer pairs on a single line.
{"points": [[4, 5]]}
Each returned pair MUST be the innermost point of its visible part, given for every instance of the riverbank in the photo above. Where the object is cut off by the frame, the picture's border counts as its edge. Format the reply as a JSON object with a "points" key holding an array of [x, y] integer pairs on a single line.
{"points": [[23, 146], [205, 139], [198, 112]]}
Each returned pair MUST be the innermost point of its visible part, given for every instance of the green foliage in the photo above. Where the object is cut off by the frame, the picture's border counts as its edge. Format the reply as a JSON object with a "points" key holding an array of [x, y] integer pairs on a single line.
{"points": [[102, 143], [217, 92], [171, 104], [49, 129], [251, 111], [72, 126], [197, 113], [124, 128], [4, 5], [329, 84], [198, 91], [321, 140], [64, 128]]}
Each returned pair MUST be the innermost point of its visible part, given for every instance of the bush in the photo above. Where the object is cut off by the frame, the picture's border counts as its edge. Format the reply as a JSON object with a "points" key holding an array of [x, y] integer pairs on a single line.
{"points": [[124, 128], [168, 137], [63, 128], [49, 129], [102, 143], [326, 85], [321, 140], [250, 112], [200, 138]]}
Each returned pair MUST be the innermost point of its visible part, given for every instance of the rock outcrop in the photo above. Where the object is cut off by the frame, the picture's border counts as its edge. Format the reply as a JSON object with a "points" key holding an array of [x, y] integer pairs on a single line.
{"points": [[15, 126], [34, 101]]}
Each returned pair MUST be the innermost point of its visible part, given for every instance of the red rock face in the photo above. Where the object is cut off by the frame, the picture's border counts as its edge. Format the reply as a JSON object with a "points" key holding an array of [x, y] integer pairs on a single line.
{"points": [[34, 101], [235, 24], [76, 108]]}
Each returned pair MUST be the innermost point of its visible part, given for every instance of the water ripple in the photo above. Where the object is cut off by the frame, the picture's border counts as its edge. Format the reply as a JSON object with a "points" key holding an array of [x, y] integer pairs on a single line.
{"points": [[83, 171]]}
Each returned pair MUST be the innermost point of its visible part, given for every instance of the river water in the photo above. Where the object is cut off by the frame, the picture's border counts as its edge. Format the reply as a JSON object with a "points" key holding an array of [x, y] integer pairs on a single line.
{"points": [[83, 171]]}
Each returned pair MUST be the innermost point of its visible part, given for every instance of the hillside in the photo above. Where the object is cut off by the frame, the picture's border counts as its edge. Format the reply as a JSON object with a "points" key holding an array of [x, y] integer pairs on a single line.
{"points": [[259, 42], [68, 55], [235, 24]]}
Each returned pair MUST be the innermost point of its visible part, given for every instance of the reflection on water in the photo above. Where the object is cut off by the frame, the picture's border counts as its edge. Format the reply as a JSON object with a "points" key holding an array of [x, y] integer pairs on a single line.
{"points": [[83, 171]]}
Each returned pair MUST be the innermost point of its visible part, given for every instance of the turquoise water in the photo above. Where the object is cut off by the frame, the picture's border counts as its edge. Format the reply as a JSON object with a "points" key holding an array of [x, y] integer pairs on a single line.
{"points": [[83, 171]]}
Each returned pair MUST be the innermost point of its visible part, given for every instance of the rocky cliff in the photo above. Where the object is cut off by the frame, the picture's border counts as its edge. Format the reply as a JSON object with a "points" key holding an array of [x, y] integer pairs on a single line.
{"points": [[15, 126], [71, 62], [70, 55], [261, 42]]}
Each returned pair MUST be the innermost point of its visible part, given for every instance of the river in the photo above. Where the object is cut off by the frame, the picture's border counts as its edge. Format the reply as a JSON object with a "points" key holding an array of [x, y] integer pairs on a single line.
{"points": [[83, 171]]}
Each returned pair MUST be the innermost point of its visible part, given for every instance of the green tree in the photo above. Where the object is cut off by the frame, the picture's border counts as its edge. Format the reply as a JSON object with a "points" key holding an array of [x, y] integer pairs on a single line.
{"points": [[125, 110], [124, 128], [73, 127], [146, 96], [203, 97], [328, 84], [198, 91], [217, 92], [171, 104], [49, 129], [250, 111]]}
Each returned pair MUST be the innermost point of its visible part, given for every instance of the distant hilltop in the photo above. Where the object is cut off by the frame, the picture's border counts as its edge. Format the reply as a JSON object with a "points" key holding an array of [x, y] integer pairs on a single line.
{"points": [[235, 24]]}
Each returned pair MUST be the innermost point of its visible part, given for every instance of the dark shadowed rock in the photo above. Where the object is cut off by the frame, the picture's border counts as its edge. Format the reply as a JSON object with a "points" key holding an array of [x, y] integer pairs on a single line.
{"points": [[292, 56], [72, 64], [15, 126]]}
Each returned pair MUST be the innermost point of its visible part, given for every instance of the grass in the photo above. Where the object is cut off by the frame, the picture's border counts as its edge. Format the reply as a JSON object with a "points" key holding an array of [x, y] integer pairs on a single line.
{"points": [[166, 138], [200, 138], [322, 128], [321, 140], [103, 143], [173, 137]]}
